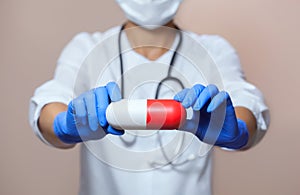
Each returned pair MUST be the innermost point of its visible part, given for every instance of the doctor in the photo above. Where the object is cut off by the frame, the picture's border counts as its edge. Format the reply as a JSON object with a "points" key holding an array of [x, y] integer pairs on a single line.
{"points": [[62, 120]]}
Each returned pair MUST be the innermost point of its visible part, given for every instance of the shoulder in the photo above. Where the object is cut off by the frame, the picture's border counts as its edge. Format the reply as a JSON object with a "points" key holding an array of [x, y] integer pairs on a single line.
{"points": [[82, 43], [215, 44], [220, 50], [92, 38]]}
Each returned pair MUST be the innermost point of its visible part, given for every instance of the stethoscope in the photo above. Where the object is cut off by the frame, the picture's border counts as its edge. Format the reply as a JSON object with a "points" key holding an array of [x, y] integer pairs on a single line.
{"points": [[167, 78]]}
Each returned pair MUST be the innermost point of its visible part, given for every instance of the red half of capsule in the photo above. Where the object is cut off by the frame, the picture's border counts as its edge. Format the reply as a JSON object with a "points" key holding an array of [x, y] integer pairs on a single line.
{"points": [[165, 114]]}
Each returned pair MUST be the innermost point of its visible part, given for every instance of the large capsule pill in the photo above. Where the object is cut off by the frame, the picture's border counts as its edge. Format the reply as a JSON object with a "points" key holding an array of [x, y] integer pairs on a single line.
{"points": [[146, 114]]}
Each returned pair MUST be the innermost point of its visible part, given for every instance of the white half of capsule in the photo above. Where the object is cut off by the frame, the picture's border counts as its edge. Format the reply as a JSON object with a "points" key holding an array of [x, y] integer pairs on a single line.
{"points": [[127, 114]]}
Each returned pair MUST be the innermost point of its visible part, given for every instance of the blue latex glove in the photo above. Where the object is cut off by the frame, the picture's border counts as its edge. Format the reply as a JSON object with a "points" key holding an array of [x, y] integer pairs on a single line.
{"points": [[217, 124], [85, 118]]}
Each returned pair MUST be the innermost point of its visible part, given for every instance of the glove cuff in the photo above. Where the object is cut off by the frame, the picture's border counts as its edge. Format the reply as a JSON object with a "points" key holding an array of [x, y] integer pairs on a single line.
{"points": [[241, 139], [59, 127]]}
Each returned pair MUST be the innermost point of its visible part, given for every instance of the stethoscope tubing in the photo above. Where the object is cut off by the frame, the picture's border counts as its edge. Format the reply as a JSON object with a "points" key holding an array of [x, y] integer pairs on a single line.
{"points": [[168, 77], [191, 157]]}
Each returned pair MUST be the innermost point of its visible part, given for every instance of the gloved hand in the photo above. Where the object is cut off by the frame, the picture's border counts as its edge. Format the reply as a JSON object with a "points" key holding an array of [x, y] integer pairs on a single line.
{"points": [[85, 118], [217, 124]]}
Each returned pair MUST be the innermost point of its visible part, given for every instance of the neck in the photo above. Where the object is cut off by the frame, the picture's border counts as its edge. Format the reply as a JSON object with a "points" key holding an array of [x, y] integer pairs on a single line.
{"points": [[151, 43]]}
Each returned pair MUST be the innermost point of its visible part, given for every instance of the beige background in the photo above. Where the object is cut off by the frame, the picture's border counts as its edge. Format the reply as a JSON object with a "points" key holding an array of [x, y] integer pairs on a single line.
{"points": [[265, 33]]}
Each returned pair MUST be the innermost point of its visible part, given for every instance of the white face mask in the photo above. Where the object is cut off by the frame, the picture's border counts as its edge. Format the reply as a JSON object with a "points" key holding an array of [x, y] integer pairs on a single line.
{"points": [[150, 14]]}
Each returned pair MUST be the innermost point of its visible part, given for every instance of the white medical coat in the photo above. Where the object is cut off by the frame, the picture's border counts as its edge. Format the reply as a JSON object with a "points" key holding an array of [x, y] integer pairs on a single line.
{"points": [[165, 162]]}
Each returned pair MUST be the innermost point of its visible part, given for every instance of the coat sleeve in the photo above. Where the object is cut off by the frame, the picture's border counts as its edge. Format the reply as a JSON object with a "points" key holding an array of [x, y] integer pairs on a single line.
{"points": [[60, 87], [242, 92]]}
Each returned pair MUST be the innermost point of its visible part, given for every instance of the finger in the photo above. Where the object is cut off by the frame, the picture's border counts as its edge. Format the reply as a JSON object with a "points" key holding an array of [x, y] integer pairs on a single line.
{"points": [[217, 101], [113, 91], [90, 103], [192, 95], [180, 95], [114, 131], [205, 96], [80, 111], [191, 125], [102, 102]]}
